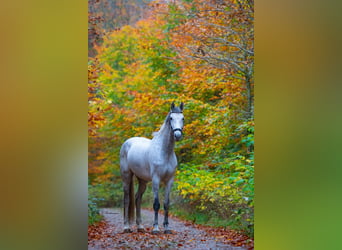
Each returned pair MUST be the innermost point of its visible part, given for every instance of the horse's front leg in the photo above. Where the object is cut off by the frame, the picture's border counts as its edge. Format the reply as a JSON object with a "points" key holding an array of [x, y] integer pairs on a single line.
{"points": [[166, 206], [156, 204]]}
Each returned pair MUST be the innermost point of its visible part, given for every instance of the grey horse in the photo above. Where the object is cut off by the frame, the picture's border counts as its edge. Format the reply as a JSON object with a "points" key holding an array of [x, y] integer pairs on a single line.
{"points": [[150, 160]]}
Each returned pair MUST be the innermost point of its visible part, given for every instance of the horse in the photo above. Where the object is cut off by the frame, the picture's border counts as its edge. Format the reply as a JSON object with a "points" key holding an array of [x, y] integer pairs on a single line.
{"points": [[151, 160]]}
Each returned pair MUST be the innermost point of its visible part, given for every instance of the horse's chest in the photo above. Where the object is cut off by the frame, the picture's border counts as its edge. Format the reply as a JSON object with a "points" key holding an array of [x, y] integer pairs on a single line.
{"points": [[163, 167]]}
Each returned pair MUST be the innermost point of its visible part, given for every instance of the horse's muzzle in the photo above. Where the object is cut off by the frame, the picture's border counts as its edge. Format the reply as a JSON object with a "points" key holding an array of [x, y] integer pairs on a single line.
{"points": [[177, 133]]}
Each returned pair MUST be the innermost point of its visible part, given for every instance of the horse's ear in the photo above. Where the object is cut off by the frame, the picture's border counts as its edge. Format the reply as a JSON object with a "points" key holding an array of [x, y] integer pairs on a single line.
{"points": [[181, 106], [172, 106]]}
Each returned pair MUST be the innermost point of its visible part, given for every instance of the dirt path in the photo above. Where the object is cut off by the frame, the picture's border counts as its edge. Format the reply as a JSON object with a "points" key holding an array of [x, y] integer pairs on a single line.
{"points": [[108, 235]]}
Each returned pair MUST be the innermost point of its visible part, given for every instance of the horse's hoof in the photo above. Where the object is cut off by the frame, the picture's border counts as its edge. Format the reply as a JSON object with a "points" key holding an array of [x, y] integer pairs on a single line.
{"points": [[127, 230], [167, 231], [155, 232], [141, 230]]}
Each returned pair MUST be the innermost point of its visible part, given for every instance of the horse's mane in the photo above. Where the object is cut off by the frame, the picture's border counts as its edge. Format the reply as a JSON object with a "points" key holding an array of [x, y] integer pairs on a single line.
{"points": [[155, 134]]}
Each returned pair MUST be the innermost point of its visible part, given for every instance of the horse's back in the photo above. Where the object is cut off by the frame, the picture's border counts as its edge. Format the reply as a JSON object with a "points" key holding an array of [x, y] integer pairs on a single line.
{"points": [[133, 157]]}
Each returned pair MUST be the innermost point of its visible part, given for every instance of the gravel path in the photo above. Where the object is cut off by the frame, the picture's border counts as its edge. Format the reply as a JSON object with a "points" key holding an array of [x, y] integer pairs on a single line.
{"points": [[185, 235]]}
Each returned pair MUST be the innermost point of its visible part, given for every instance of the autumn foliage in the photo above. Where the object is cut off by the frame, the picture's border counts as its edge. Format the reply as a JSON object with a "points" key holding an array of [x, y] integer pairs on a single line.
{"points": [[194, 51]]}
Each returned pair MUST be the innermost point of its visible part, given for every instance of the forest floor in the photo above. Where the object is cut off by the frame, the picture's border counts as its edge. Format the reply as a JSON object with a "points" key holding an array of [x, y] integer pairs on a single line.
{"points": [[108, 234]]}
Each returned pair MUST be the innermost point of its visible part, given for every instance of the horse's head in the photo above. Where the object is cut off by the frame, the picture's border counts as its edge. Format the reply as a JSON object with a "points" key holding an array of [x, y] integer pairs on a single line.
{"points": [[177, 120]]}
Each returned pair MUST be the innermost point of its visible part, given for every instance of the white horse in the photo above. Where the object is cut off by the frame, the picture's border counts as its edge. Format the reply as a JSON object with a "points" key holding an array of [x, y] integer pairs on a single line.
{"points": [[150, 160]]}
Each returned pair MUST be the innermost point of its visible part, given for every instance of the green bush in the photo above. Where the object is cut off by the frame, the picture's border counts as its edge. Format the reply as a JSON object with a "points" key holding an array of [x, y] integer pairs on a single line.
{"points": [[225, 195], [93, 211], [107, 194]]}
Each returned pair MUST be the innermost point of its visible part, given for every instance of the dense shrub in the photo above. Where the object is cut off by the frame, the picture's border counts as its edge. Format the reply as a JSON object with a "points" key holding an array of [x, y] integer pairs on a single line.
{"points": [[227, 194], [93, 211], [106, 194]]}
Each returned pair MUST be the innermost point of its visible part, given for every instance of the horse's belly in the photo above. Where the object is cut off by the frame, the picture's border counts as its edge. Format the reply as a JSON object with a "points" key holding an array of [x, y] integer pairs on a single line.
{"points": [[141, 171], [137, 162]]}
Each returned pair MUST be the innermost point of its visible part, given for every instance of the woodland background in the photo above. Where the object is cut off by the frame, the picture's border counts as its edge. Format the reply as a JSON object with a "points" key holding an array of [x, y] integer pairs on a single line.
{"points": [[142, 56]]}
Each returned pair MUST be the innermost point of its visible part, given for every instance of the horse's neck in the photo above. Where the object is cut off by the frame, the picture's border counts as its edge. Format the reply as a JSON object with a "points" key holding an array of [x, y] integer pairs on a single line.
{"points": [[165, 140]]}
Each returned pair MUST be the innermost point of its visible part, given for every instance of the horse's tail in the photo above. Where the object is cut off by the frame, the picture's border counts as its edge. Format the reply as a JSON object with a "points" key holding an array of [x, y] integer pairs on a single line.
{"points": [[131, 202]]}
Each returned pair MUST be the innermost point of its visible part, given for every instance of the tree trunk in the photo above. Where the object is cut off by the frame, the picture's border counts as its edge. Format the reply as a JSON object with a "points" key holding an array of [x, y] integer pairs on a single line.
{"points": [[250, 106]]}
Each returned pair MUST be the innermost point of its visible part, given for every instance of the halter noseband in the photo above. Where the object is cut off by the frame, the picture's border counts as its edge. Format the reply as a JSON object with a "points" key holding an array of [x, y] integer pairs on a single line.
{"points": [[177, 129]]}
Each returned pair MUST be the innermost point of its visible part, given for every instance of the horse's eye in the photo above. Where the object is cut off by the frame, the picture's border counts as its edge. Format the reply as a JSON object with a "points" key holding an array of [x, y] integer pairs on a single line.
{"points": [[170, 118]]}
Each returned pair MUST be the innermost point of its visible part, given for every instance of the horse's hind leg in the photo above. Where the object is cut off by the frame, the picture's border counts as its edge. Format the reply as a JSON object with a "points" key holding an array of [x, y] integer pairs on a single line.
{"points": [[166, 206], [127, 178], [138, 196]]}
